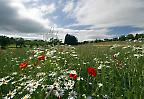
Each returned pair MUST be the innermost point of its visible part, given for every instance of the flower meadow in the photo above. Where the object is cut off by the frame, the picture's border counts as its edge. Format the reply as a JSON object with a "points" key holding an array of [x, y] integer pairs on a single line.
{"points": [[73, 72]]}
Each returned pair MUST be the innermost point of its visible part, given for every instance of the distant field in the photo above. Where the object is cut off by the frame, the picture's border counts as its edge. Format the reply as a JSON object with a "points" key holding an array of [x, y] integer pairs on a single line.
{"points": [[106, 70], [120, 43]]}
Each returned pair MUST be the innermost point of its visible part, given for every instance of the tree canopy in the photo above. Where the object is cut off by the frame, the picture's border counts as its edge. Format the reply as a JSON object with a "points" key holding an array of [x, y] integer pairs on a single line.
{"points": [[70, 40]]}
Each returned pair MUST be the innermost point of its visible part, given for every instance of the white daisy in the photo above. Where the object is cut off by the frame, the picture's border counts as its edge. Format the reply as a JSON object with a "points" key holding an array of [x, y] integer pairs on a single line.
{"points": [[72, 95]]}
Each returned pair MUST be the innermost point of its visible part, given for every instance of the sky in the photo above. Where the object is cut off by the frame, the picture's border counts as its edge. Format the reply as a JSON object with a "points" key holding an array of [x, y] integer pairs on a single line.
{"points": [[85, 19]]}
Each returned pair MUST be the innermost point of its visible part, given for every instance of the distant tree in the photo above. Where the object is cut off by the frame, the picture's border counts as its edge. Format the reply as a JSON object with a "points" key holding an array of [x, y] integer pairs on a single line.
{"points": [[106, 40], [19, 42], [139, 36], [54, 41], [115, 39], [122, 38], [98, 40], [12, 40], [42, 43], [130, 37], [85, 42], [91, 41], [4, 41], [70, 40]]}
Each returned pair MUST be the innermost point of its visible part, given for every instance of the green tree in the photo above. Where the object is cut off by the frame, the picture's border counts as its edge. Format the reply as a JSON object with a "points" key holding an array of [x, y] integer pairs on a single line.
{"points": [[115, 39], [70, 40], [130, 36], [122, 38], [139, 36], [19, 42], [4, 41]]}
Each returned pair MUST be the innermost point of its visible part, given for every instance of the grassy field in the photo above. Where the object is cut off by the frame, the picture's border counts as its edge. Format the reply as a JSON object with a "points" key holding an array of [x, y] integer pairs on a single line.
{"points": [[63, 72]]}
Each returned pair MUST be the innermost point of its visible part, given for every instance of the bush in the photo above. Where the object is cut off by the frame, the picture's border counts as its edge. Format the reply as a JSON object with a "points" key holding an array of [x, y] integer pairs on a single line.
{"points": [[70, 40]]}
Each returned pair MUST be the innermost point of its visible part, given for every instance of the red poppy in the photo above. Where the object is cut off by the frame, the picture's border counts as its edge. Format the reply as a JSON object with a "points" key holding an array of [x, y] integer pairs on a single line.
{"points": [[91, 71], [58, 97], [73, 76], [42, 57], [23, 65]]}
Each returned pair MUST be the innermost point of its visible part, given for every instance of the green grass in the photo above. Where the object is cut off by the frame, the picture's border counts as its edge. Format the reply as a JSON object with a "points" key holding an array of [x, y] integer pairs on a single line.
{"points": [[119, 67]]}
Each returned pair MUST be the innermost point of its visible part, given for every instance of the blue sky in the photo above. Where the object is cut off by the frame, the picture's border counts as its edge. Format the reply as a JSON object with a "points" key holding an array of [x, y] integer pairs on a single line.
{"points": [[86, 19]]}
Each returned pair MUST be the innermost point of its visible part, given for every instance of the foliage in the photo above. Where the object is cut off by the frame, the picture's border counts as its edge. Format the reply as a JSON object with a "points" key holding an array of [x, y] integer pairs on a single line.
{"points": [[130, 37], [54, 41], [70, 40], [19, 42], [4, 41]]}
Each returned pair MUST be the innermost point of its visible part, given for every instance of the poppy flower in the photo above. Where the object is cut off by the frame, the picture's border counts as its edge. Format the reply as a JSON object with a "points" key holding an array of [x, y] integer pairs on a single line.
{"points": [[58, 97], [23, 65], [91, 71], [73, 76], [42, 57]]}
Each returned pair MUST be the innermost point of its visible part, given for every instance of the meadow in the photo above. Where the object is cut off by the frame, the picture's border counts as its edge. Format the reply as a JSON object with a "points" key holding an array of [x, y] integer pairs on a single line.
{"points": [[107, 70]]}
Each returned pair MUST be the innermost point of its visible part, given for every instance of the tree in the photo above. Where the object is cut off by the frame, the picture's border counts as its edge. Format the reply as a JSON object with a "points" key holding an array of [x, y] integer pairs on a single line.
{"points": [[4, 41], [70, 40], [139, 36], [12, 40], [130, 36], [54, 41], [98, 40], [115, 39], [19, 42], [122, 38]]}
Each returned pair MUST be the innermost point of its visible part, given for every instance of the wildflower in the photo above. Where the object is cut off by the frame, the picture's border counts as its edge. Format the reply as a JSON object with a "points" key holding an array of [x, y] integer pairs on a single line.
{"points": [[72, 72], [3, 81], [23, 65], [100, 67], [73, 76], [100, 84], [84, 95], [14, 73], [116, 55], [27, 96], [41, 74], [72, 95], [91, 71], [42, 57], [10, 95], [105, 96], [58, 92], [58, 97], [89, 97], [32, 86], [78, 78], [69, 85]]}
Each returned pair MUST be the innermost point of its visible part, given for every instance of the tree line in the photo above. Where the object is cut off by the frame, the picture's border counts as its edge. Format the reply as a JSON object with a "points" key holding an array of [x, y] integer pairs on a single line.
{"points": [[20, 42], [129, 37], [69, 40]]}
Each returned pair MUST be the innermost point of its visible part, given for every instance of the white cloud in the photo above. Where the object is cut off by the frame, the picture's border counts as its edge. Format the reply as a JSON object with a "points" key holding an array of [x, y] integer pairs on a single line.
{"points": [[28, 36], [48, 8], [84, 34], [34, 13], [68, 7], [92, 34], [108, 13]]}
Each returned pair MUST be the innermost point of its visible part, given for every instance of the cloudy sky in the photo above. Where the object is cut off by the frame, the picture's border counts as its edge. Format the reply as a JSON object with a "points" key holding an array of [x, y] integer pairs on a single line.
{"points": [[86, 19]]}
